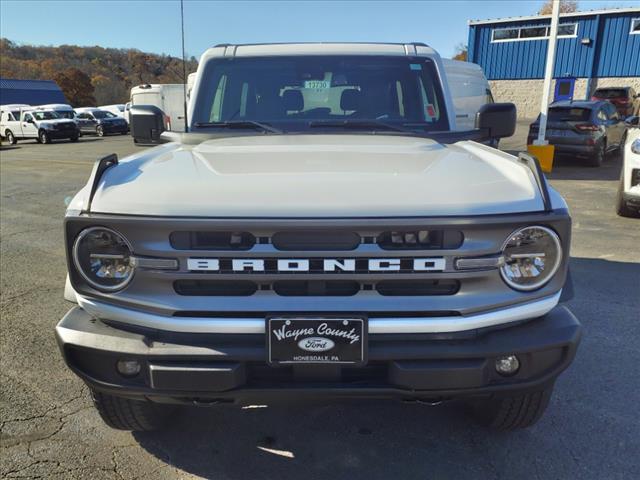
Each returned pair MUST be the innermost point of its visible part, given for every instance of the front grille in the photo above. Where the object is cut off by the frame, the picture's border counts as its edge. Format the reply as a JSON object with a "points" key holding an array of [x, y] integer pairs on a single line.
{"points": [[322, 240], [252, 268], [420, 240], [215, 288], [212, 240], [316, 288], [410, 288]]}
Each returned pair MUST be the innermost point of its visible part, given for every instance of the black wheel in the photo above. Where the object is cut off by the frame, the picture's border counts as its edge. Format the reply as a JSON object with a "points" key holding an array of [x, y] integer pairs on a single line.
{"points": [[123, 133], [74, 138], [598, 157], [10, 137], [124, 414], [518, 410], [43, 137], [622, 208], [100, 131]]}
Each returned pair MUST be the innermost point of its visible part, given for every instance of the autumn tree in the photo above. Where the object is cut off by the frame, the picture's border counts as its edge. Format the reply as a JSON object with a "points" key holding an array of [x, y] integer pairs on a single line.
{"points": [[76, 86], [461, 52], [112, 71], [566, 6]]}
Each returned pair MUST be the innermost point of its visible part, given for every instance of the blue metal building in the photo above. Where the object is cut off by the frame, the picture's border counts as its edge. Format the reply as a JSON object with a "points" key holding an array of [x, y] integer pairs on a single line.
{"points": [[30, 92], [592, 46]]}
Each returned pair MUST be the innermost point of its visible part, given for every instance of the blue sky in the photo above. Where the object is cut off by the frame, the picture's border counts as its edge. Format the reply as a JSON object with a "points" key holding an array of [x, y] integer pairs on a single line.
{"points": [[154, 26]]}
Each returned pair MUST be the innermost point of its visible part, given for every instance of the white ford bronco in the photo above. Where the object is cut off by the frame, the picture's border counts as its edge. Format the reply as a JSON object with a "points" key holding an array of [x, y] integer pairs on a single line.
{"points": [[321, 229]]}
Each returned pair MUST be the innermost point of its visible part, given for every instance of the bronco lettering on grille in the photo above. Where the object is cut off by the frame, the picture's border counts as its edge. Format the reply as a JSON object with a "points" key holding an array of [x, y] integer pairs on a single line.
{"points": [[315, 265]]}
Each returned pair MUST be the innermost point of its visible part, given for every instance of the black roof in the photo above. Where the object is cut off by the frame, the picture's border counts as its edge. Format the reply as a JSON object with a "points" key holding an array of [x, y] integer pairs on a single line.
{"points": [[578, 104]]}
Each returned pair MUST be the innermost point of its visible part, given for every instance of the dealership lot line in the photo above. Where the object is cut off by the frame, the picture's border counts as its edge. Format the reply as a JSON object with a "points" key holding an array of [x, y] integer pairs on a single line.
{"points": [[48, 428]]}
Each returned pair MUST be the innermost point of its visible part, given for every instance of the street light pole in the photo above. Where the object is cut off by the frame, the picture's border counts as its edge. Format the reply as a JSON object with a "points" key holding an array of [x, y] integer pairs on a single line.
{"points": [[548, 73]]}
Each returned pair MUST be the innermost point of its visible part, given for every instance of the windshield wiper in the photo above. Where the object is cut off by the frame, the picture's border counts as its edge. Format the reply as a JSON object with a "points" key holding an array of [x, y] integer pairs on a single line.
{"points": [[240, 124], [358, 124]]}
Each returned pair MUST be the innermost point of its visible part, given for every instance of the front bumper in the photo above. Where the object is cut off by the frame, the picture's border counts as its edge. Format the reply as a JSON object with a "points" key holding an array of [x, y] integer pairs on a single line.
{"points": [[110, 128], [205, 368], [63, 133]]}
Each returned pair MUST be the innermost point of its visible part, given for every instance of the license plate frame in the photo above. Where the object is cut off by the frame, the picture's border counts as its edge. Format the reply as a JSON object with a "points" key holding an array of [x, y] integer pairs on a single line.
{"points": [[328, 340]]}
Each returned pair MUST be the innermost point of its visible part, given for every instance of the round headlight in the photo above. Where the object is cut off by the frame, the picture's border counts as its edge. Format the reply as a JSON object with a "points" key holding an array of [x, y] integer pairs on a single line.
{"points": [[532, 256], [103, 258]]}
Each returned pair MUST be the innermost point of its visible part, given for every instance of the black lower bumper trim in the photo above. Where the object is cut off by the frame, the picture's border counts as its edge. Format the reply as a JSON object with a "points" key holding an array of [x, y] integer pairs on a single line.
{"points": [[230, 367]]}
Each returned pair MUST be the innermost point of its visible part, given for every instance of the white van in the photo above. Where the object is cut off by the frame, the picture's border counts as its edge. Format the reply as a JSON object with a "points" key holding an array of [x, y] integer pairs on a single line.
{"points": [[168, 97], [469, 89]]}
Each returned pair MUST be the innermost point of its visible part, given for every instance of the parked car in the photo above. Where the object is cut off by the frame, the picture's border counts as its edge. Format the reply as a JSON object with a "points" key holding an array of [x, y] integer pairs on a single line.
{"points": [[169, 98], [626, 100], [62, 109], [38, 124], [100, 122], [588, 129], [116, 109], [328, 233], [628, 198]]}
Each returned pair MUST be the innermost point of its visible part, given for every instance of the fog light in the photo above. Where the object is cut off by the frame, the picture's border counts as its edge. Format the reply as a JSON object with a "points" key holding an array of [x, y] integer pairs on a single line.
{"points": [[507, 365], [128, 368]]}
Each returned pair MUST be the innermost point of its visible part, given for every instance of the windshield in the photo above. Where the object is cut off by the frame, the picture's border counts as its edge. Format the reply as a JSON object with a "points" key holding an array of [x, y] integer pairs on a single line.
{"points": [[65, 113], [46, 115], [299, 92], [569, 114], [610, 93], [103, 114]]}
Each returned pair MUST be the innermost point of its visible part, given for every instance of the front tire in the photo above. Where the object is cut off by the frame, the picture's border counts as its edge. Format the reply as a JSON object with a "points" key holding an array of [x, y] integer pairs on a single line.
{"points": [[515, 411], [43, 137], [622, 208], [11, 138], [74, 138], [134, 415], [100, 131]]}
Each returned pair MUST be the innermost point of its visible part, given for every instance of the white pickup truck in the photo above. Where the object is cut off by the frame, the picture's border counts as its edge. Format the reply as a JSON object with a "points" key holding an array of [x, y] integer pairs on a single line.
{"points": [[41, 125], [322, 229]]}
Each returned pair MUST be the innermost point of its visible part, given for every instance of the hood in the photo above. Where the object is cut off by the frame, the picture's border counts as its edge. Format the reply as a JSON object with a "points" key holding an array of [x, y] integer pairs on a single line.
{"points": [[317, 176], [55, 121]]}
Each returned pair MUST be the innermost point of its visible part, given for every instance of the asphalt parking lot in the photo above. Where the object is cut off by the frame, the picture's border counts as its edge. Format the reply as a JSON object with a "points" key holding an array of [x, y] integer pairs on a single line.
{"points": [[50, 430]]}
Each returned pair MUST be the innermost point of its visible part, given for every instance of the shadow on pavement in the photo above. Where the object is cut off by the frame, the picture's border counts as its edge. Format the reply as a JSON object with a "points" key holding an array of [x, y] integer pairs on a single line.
{"points": [[380, 439]]}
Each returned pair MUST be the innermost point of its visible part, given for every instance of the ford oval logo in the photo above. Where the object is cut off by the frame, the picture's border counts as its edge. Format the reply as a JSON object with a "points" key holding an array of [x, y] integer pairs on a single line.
{"points": [[316, 344]]}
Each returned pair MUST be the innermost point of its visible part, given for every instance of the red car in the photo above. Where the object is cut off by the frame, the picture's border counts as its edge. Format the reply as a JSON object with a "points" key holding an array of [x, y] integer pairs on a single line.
{"points": [[625, 99]]}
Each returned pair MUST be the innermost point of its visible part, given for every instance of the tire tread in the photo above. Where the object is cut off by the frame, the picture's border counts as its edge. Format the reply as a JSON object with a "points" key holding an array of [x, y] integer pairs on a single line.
{"points": [[124, 414]]}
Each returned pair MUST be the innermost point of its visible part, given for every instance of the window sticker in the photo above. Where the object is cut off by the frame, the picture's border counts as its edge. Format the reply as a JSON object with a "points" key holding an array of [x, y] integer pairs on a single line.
{"points": [[415, 66], [317, 84], [431, 112]]}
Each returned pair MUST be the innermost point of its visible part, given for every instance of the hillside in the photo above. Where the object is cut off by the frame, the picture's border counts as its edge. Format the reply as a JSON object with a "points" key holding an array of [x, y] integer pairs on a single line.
{"points": [[90, 75]]}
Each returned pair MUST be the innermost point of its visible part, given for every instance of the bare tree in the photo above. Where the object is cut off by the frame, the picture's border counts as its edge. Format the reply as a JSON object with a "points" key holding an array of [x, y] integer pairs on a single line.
{"points": [[566, 6]]}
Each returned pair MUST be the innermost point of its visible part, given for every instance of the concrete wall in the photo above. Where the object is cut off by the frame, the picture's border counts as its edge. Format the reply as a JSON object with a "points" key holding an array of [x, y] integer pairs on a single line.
{"points": [[527, 94]]}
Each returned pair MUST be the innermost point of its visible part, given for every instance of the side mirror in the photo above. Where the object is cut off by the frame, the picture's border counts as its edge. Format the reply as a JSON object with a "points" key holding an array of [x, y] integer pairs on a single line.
{"points": [[497, 119], [633, 121], [30, 120], [147, 123]]}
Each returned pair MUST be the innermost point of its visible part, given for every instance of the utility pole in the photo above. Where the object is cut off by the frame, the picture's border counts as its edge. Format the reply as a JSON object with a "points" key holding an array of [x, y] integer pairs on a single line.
{"points": [[548, 73]]}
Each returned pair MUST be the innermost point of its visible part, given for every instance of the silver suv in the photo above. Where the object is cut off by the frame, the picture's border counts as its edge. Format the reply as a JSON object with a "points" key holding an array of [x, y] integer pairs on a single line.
{"points": [[323, 228]]}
